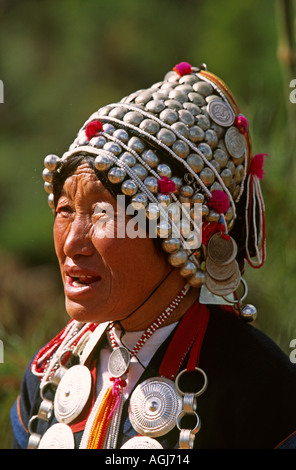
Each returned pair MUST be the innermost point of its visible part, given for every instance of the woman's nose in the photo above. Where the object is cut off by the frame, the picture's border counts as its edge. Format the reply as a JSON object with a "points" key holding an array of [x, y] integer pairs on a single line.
{"points": [[78, 240]]}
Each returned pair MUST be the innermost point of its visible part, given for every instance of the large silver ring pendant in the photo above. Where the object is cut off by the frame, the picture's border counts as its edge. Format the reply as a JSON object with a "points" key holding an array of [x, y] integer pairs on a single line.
{"points": [[119, 361], [59, 436], [141, 442], [72, 394], [154, 406]]}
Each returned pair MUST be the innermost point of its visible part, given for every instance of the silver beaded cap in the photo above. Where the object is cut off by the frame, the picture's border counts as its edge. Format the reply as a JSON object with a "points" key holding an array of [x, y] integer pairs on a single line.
{"points": [[189, 119]]}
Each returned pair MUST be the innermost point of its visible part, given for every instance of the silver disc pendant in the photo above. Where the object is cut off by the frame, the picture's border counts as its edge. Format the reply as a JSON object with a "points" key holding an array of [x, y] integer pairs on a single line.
{"points": [[72, 394], [59, 436], [141, 442], [235, 142], [221, 113], [119, 361], [154, 406]]}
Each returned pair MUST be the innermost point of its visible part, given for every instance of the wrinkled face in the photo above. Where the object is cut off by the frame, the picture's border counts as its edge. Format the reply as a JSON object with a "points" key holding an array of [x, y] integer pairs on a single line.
{"points": [[105, 277]]}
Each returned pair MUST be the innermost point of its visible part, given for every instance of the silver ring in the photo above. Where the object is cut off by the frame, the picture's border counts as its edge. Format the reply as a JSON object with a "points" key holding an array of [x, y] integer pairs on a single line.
{"points": [[245, 293], [198, 393]]}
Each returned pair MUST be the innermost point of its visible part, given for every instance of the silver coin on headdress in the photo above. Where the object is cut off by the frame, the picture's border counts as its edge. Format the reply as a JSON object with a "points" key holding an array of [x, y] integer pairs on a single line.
{"points": [[58, 436], [72, 393], [154, 406], [235, 142], [222, 250], [221, 113], [141, 442], [224, 287], [220, 272]]}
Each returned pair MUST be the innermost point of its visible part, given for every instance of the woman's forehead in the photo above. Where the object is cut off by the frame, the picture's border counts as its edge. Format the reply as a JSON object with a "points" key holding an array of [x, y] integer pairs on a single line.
{"points": [[84, 180]]}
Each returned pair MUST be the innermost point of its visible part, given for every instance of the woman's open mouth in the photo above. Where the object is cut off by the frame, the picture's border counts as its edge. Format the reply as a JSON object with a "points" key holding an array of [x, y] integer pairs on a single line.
{"points": [[79, 285]]}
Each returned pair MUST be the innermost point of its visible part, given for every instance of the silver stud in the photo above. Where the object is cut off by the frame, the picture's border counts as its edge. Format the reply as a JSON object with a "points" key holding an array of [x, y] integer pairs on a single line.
{"points": [[181, 148], [203, 122], [211, 138], [128, 159], [166, 136], [204, 88], [47, 175], [116, 175], [150, 158], [50, 201], [152, 211], [155, 106], [206, 150], [186, 117], [136, 144], [140, 171], [113, 147], [248, 313], [151, 183], [121, 134], [178, 259], [195, 162], [102, 163], [150, 126], [164, 170], [164, 229], [186, 191], [198, 279], [129, 188], [188, 269], [139, 201], [169, 116], [51, 162], [171, 245], [48, 187], [164, 199], [133, 117], [197, 99], [181, 128], [98, 141]]}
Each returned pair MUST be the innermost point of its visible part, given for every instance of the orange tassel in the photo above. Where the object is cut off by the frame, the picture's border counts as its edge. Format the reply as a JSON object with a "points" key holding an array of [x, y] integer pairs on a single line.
{"points": [[101, 423]]}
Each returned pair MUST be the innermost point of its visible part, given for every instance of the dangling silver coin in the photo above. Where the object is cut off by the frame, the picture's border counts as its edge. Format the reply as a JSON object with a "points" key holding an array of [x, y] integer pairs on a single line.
{"points": [[220, 272], [119, 361], [221, 113], [235, 142], [59, 436], [141, 442], [154, 406], [72, 394], [225, 287], [222, 250]]}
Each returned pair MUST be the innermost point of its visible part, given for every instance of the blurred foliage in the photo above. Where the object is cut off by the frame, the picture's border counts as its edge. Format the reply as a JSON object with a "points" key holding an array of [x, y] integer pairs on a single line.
{"points": [[59, 62]]}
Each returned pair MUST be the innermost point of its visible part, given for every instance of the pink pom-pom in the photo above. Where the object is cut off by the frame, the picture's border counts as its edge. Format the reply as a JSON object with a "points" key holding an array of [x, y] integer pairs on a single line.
{"points": [[92, 128], [165, 185], [183, 68], [241, 123], [219, 202], [257, 163]]}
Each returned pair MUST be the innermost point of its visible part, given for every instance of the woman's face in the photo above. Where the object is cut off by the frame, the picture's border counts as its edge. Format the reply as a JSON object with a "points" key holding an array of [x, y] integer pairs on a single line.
{"points": [[105, 278]]}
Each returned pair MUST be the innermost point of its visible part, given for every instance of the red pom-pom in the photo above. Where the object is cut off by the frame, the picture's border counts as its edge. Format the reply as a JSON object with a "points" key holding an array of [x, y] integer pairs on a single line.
{"points": [[241, 123], [256, 168], [92, 128], [219, 202], [183, 68], [165, 185]]}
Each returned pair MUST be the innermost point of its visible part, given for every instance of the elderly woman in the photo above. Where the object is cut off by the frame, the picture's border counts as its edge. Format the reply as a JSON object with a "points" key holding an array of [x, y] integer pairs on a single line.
{"points": [[157, 209]]}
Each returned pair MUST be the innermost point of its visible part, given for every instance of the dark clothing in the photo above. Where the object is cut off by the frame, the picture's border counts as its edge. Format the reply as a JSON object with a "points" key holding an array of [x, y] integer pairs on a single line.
{"points": [[249, 402]]}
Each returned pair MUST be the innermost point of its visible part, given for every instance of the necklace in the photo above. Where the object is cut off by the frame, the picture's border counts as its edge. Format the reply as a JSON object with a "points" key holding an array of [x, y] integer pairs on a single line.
{"points": [[105, 416]]}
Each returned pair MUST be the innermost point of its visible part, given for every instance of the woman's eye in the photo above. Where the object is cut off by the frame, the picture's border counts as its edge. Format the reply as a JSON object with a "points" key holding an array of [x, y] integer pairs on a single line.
{"points": [[103, 210], [64, 210]]}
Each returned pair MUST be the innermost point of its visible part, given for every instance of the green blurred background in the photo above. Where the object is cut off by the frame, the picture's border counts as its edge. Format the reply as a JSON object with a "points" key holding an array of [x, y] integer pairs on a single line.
{"points": [[59, 62]]}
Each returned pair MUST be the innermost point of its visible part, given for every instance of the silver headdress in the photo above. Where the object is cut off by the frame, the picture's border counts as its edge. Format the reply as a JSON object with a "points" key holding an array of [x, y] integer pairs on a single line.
{"points": [[183, 141]]}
